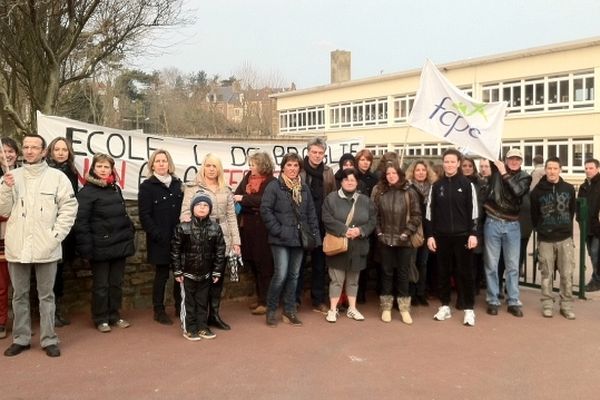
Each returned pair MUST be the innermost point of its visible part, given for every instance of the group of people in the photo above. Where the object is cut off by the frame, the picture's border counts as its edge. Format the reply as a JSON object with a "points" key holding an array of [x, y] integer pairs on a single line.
{"points": [[389, 218]]}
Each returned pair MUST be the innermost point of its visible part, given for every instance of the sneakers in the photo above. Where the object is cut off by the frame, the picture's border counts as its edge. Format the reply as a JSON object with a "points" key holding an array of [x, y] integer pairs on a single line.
{"points": [[547, 312], [206, 334], [516, 311], [259, 310], [322, 308], [331, 316], [291, 318], [568, 314], [469, 319], [354, 314], [443, 313], [193, 336], [103, 327], [122, 323]]}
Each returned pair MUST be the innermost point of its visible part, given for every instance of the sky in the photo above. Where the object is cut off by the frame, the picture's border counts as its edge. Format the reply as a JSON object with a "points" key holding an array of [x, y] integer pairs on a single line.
{"points": [[290, 41]]}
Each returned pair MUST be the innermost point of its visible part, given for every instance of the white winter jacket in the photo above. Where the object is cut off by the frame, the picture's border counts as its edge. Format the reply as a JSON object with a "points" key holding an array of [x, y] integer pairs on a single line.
{"points": [[41, 207]]}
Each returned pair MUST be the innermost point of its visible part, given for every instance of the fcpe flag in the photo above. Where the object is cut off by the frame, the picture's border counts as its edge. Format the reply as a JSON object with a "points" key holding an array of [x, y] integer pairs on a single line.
{"points": [[443, 110]]}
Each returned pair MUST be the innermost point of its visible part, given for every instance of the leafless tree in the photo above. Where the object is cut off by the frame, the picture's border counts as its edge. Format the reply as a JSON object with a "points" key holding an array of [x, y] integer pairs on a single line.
{"points": [[47, 45]]}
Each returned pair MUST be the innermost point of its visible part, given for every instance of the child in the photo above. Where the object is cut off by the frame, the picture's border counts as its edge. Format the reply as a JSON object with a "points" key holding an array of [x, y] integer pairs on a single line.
{"points": [[198, 254]]}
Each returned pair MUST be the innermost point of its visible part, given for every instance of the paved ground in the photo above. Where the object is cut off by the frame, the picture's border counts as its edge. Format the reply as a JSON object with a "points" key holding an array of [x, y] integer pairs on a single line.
{"points": [[500, 358]]}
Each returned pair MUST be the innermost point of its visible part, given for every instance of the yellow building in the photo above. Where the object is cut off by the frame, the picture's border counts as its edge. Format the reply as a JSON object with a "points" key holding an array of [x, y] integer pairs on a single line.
{"points": [[550, 93]]}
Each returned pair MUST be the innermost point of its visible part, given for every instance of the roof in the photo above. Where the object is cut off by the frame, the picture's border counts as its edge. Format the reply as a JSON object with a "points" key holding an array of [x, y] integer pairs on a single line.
{"points": [[535, 51]]}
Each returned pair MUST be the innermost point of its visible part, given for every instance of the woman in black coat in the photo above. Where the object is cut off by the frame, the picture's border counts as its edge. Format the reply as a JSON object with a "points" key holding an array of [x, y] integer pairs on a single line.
{"points": [[60, 155], [255, 245], [159, 202], [105, 237]]}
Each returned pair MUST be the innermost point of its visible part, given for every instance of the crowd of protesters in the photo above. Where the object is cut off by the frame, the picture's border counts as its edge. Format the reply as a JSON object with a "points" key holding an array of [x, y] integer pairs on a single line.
{"points": [[421, 230]]}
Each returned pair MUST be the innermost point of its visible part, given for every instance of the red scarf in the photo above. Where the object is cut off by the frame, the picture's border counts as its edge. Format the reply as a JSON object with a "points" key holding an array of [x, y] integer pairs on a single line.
{"points": [[254, 183]]}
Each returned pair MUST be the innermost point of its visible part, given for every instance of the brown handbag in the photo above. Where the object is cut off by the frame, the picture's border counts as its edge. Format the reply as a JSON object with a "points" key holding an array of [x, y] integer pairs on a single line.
{"points": [[334, 245]]}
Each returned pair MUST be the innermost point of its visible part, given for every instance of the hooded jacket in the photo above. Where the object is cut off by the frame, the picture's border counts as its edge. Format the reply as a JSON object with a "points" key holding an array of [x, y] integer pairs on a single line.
{"points": [[42, 209], [552, 210]]}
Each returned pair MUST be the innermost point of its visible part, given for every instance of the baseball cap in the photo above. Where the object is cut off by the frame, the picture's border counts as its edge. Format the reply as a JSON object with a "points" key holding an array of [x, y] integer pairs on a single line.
{"points": [[514, 152]]}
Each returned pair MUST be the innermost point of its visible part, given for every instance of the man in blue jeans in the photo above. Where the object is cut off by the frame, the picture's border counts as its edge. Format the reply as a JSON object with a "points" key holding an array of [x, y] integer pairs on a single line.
{"points": [[507, 186]]}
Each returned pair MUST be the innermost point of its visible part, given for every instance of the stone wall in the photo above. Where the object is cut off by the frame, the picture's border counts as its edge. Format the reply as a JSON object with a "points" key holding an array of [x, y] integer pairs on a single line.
{"points": [[139, 276]]}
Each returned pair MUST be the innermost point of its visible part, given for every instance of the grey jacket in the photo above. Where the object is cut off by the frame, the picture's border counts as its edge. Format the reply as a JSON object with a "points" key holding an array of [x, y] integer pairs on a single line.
{"points": [[335, 211]]}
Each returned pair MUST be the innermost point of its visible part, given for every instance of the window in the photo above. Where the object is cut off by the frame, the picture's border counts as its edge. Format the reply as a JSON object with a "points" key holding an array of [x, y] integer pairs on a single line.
{"points": [[571, 152], [402, 106], [302, 119], [359, 113]]}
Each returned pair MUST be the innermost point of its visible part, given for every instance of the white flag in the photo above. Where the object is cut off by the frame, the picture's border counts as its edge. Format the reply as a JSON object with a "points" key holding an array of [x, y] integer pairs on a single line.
{"points": [[443, 110]]}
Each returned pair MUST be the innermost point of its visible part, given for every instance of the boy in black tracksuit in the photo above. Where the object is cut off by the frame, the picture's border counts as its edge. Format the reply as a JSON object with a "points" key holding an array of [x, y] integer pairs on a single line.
{"points": [[451, 230], [552, 211], [198, 256]]}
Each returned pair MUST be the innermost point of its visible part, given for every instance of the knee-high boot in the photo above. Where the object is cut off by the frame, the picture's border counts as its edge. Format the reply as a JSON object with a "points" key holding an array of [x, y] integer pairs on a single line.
{"points": [[214, 304]]}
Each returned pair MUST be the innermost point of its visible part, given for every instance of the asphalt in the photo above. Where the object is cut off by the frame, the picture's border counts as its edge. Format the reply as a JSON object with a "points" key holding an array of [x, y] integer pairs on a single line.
{"points": [[502, 357]]}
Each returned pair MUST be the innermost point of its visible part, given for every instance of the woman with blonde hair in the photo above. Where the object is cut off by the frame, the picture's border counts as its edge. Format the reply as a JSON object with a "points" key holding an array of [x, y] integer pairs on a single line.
{"points": [[159, 202], [421, 176], [210, 180], [255, 238]]}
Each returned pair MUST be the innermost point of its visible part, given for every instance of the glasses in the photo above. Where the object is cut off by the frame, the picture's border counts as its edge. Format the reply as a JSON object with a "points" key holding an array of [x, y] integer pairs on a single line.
{"points": [[25, 148]]}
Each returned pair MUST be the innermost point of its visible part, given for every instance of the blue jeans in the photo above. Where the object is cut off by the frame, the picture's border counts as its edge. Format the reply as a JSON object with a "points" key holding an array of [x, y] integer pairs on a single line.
{"points": [[502, 236], [593, 248], [287, 262]]}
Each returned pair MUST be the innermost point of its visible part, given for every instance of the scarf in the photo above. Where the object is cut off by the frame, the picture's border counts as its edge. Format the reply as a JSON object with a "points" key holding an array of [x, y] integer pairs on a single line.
{"points": [[423, 188], [254, 183], [165, 180], [315, 182], [295, 187]]}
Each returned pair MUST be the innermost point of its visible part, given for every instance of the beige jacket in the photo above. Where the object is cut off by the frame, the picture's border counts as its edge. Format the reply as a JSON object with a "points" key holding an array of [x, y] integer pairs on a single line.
{"points": [[42, 209]]}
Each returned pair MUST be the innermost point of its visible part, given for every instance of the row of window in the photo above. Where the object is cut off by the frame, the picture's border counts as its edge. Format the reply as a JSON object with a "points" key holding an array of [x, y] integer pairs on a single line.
{"points": [[571, 152], [544, 94]]}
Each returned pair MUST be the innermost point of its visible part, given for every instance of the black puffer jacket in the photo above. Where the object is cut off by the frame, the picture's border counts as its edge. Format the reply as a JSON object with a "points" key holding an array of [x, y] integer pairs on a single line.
{"points": [[159, 208], [198, 249], [279, 216], [103, 230], [505, 193]]}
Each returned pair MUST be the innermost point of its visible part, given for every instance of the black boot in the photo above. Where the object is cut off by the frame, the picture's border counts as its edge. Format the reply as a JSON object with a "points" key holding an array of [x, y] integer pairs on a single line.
{"points": [[214, 319], [161, 316]]}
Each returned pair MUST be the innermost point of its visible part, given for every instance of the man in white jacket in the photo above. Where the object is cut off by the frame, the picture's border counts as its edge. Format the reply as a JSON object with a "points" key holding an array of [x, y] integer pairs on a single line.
{"points": [[41, 206]]}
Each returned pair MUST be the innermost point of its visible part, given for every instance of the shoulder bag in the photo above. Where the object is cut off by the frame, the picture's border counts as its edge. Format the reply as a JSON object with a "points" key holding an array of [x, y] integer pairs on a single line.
{"points": [[334, 245]]}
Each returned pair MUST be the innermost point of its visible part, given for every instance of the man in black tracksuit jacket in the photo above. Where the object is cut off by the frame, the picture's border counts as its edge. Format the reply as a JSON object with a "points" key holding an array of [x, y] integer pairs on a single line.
{"points": [[451, 228]]}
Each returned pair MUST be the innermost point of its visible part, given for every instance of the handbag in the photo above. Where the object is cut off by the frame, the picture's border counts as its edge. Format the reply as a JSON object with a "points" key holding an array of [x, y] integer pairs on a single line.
{"points": [[334, 245], [416, 238]]}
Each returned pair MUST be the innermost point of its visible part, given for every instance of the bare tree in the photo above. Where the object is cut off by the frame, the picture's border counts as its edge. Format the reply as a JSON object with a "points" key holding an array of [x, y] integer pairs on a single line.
{"points": [[47, 45]]}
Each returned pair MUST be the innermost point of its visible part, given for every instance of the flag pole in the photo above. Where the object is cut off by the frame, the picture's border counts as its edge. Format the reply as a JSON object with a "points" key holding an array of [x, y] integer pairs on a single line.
{"points": [[404, 147]]}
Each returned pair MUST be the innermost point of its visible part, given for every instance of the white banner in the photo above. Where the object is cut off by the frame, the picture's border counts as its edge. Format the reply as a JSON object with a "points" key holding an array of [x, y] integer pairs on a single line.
{"points": [[131, 150], [443, 110]]}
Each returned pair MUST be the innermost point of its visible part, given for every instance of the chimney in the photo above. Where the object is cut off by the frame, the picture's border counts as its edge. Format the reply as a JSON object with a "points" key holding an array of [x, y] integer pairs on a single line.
{"points": [[340, 66]]}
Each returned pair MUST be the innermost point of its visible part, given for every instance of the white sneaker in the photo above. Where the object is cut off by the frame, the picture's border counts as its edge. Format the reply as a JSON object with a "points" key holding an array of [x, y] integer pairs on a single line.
{"points": [[355, 314], [469, 319], [331, 316], [443, 313]]}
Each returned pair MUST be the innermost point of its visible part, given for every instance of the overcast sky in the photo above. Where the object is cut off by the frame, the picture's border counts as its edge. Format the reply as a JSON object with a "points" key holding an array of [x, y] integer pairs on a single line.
{"points": [[291, 40]]}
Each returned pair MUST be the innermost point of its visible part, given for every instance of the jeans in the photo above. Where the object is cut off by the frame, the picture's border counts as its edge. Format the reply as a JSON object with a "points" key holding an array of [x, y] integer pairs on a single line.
{"points": [[20, 274], [287, 262], [107, 291], [502, 236], [593, 248]]}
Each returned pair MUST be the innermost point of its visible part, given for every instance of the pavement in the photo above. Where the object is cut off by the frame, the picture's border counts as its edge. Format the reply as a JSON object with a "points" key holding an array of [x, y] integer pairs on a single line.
{"points": [[502, 357]]}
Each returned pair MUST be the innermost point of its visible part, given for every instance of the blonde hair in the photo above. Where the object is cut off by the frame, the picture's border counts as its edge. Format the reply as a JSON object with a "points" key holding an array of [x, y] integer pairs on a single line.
{"points": [[410, 171], [153, 158], [212, 159]]}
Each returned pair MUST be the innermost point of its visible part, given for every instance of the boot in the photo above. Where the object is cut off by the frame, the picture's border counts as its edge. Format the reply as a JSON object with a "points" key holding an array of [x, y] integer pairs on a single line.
{"points": [[161, 316], [214, 319], [59, 319], [404, 307], [386, 303]]}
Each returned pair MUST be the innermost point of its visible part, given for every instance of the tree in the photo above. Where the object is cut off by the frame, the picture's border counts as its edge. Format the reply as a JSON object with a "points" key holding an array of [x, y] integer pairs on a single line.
{"points": [[48, 45]]}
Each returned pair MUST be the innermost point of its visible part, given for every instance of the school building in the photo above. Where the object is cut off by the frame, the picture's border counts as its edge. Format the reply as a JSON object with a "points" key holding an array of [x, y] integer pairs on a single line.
{"points": [[552, 109]]}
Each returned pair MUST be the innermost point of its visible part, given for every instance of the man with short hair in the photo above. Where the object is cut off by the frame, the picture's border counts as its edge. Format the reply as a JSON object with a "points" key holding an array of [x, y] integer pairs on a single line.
{"points": [[590, 190], [552, 211], [507, 186], [42, 209], [319, 177]]}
